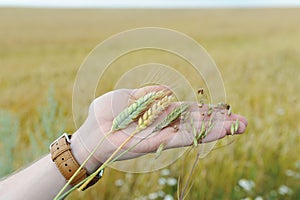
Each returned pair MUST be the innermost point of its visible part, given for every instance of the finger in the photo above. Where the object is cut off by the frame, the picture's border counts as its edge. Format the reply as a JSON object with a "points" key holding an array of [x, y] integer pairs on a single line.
{"points": [[241, 128], [235, 117], [226, 125], [185, 137], [215, 134], [207, 110]]}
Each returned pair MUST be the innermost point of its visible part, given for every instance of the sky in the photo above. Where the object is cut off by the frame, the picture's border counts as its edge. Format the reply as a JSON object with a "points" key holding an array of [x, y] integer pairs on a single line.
{"points": [[148, 3]]}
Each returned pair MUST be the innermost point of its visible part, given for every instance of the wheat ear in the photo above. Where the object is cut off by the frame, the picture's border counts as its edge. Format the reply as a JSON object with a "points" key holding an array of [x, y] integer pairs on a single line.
{"points": [[121, 121], [171, 117], [152, 113], [144, 121], [133, 111]]}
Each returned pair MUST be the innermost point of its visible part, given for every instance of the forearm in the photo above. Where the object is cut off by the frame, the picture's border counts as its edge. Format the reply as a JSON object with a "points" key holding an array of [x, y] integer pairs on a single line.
{"points": [[41, 180]]}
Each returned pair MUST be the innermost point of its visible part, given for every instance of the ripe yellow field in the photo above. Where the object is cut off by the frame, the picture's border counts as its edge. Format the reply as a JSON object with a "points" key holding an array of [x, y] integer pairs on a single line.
{"points": [[257, 52]]}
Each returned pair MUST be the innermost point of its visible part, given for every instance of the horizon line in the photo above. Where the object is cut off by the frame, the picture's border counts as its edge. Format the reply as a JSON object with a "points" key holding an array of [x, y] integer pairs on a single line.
{"points": [[135, 4], [148, 7]]}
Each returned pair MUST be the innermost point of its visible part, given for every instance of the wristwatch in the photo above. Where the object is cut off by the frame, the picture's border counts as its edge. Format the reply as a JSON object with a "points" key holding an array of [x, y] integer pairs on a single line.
{"points": [[62, 156]]}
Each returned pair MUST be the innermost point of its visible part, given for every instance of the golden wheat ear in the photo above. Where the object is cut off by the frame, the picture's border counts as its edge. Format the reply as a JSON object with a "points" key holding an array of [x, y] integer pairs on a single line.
{"points": [[129, 115], [152, 113]]}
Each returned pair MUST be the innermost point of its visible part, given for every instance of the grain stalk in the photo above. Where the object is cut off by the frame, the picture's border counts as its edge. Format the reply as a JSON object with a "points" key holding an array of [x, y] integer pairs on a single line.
{"points": [[171, 117], [144, 121], [202, 133], [121, 121], [199, 135], [130, 148], [81, 166], [129, 114], [183, 195]]}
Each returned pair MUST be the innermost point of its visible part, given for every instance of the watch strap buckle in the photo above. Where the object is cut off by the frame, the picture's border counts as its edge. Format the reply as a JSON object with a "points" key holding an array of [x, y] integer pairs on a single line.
{"points": [[68, 139]]}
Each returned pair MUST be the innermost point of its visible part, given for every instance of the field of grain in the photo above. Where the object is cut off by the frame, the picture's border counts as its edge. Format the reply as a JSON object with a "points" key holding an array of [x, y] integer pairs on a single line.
{"points": [[257, 52]]}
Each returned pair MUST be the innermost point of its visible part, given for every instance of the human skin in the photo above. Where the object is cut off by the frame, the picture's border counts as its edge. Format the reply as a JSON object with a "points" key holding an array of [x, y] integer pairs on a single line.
{"points": [[42, 179]]}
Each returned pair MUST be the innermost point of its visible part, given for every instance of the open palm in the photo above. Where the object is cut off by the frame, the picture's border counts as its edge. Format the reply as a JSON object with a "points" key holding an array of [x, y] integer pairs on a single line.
{"points": [[104, 109]]}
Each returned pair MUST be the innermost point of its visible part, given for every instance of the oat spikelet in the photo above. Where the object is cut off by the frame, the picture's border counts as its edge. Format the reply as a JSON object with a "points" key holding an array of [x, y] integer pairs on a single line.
{"points": [[232, 129], [134, 110], [195, 132], [202, 132], [152, 113], [236, 126], [171, 117], [159, 150], [229, 111]]}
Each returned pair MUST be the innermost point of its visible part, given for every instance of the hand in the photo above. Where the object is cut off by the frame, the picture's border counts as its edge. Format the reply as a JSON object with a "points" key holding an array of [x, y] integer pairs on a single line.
{"points": [[104, 109]]}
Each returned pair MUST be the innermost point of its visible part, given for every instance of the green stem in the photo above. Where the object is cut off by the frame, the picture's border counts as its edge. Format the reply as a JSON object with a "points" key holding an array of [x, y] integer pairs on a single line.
{"points": [[124, 152], [130, 148], [82, 165], [189, 177], [64, 195], [108, 160]]}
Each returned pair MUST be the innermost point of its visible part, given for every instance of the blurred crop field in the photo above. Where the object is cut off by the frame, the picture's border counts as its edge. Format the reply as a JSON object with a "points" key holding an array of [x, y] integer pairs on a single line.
{"points": [[257, 52]]}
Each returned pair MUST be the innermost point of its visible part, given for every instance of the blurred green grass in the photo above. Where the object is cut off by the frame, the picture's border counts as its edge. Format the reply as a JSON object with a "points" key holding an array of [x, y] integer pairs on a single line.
{"points": [[256, 50]]}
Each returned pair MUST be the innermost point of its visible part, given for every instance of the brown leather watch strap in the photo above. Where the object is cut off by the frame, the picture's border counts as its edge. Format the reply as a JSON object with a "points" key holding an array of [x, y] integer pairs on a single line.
{"points": [[66, 163]]}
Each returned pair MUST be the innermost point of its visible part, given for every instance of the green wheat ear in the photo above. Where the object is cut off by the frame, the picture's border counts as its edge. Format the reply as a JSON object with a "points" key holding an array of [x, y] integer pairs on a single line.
{"points": [[133, 111], [171, 117]]}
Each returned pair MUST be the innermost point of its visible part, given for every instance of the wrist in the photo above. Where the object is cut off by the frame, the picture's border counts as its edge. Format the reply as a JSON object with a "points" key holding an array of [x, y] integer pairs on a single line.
{"points": [[81, 153]]}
